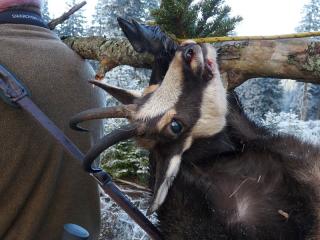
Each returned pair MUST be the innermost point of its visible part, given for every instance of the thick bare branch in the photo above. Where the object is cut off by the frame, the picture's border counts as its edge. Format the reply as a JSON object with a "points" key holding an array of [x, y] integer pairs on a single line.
{"points": [[248, 38], [286, 59], [110, 52], [294, 58], [55, 22]]}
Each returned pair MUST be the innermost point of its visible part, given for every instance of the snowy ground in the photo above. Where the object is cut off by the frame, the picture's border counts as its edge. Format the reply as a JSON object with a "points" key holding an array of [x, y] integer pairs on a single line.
{"points": [[289, 123], [116, 224]]}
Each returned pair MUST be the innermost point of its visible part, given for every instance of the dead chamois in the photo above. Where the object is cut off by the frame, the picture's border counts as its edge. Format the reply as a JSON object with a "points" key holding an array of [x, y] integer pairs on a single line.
{"points": [[215, 174]]}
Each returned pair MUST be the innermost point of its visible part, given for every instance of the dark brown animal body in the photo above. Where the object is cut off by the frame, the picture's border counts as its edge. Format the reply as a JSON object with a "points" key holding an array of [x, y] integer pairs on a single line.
{"points": [[244, 183]]}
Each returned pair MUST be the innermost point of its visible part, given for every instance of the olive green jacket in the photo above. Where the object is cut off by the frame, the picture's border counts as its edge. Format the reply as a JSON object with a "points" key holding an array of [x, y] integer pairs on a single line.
{"points": [[41, 186]]}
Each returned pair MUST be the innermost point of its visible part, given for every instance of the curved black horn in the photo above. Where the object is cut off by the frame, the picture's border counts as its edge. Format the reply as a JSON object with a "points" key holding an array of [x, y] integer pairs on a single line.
{"points": [[122, 111], [118, 135]]}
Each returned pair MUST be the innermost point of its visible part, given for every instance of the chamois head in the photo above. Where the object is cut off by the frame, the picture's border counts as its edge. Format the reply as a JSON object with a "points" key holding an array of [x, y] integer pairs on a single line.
{"points": [[189, 103]]}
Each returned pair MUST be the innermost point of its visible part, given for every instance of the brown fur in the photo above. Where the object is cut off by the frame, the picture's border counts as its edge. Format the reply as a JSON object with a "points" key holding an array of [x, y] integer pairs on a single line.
{"points": [[166, 119], [150, 89], [236, 180]]}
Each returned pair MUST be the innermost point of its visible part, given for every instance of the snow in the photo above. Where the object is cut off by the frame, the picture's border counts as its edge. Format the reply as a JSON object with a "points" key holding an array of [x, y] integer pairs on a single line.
{"points": [[289, 123], [116, 224]]}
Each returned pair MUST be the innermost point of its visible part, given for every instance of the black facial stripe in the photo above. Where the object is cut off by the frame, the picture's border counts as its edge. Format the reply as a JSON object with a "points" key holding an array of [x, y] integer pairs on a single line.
{"points": [[189, 104], [153, 131]]}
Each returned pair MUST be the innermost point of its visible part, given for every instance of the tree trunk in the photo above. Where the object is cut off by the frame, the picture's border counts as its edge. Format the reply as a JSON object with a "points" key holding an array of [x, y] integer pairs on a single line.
{"points": [[295, 58]]}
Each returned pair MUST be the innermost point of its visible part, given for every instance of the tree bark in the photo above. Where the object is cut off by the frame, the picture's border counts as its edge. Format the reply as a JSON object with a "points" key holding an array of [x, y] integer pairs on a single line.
{"points": [[294, 58], [110, 52]]}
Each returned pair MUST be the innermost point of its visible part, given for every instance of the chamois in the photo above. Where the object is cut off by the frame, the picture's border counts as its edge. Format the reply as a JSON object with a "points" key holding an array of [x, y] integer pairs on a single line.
{"points": [[215, 174]]}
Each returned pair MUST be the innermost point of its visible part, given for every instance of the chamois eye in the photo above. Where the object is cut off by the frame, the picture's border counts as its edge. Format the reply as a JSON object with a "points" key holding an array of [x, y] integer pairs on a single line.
{"points": [[176, 126], [189, 55]]}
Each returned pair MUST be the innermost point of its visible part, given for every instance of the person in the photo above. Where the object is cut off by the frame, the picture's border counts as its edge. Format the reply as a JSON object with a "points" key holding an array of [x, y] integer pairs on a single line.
{"points": [[41, 186]]}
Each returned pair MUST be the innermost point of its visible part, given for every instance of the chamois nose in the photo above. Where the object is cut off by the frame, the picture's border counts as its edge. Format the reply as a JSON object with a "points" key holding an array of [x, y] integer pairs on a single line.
{"points": [[189, 52]]}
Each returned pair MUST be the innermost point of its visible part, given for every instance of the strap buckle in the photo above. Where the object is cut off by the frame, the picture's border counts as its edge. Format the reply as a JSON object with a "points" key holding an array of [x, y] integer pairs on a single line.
{"points": [[11, 89]]}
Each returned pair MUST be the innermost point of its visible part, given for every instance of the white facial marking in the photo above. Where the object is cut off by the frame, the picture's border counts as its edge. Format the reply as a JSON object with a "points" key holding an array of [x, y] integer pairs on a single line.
{"points": [[213, 105], [172, 171], [212, 55], [167, 95]]}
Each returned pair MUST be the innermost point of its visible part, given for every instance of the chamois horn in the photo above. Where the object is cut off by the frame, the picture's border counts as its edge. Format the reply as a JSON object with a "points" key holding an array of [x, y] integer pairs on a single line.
{"points": [[123, 133], [122, 111]]}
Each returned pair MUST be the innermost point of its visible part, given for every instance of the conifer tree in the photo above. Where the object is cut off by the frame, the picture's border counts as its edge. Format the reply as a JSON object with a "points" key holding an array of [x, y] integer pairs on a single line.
{"points": [[311, 18], [106, 12], [308, 95], [260, 96], [186, 19], [99, 22], [45, 11], [75, 25]]}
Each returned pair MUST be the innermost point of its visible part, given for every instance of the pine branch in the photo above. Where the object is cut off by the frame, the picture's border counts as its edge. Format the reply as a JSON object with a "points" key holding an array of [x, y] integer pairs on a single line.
{"points": [[187, 20], [55, 22]]}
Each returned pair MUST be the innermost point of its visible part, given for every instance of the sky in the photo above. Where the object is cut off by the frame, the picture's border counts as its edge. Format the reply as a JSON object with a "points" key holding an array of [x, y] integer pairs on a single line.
{"points": [[260, 17]]}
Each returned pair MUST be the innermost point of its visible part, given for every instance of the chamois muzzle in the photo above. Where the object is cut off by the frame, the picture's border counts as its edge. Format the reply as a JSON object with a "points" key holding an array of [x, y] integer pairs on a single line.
{"points": [[198, 57]]}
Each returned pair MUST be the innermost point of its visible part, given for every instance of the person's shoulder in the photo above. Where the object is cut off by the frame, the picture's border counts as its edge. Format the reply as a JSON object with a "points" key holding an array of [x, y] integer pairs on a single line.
{"points": [[26, 31]]}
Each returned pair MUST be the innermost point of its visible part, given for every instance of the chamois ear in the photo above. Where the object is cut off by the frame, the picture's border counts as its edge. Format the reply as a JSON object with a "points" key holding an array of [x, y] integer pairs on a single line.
{"points": [[144, 38], [122, 95], [150, 39], [131, 32]]}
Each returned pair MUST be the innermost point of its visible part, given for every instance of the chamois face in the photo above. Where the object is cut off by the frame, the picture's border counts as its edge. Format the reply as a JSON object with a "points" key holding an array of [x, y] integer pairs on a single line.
{"points": [[189, 103]]}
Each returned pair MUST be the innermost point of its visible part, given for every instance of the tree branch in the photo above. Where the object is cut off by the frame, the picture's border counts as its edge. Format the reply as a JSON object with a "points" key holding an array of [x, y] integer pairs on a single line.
{"points": [[110, 52], [55, 22], [132, 185], [297, 59], [248, 38], [294, 58]]}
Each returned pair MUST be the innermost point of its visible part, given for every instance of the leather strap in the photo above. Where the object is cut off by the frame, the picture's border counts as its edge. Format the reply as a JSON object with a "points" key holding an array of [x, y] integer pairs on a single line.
{"points": [[15, 93]]}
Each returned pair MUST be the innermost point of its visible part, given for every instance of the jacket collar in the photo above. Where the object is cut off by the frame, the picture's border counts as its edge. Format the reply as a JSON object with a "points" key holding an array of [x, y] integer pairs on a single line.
{"points": [[16, 16]]}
